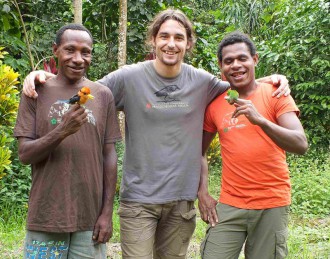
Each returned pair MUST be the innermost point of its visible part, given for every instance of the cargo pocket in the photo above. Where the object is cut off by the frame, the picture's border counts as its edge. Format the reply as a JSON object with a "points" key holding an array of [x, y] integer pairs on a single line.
{"points": [[130, 224], [281, 244], [202, 247], [188, 225]]}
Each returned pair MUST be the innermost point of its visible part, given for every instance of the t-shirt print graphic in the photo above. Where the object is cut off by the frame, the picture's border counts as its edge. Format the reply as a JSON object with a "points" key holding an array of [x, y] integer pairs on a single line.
{"points": [[59, 108], [229, 123], [166, 93]]}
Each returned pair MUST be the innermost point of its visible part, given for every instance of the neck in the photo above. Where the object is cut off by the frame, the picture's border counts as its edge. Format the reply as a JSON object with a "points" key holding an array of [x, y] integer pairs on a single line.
{"points": [[69, 82], [246, 91], [166, 70]]}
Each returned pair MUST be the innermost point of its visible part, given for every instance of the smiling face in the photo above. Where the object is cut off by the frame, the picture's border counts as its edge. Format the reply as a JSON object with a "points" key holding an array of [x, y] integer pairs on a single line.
{"points": [[170, 45], [74, 54], [238, 66]]}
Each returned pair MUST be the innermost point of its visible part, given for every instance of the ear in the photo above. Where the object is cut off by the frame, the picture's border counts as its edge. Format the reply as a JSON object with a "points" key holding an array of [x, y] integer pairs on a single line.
{"points": [[219, 63], [153, 42], [256, 59], [55, 48], [189, 44]]}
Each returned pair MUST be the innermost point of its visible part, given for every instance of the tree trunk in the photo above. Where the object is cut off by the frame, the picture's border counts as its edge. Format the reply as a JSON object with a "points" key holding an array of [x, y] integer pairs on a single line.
{"points": [[77, 7], [122, 32], [122, 50]]}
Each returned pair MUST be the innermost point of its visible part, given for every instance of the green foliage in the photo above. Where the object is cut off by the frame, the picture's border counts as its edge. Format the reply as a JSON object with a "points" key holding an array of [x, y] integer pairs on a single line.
{"points": [[8, 108], [41, 21], [310, 177], [214, 153], [299, 49]]}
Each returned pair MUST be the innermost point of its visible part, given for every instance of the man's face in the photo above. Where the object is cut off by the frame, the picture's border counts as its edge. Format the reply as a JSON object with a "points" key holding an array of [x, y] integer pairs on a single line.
{"points": [[74, 54], [238, 65], [171, 43]]}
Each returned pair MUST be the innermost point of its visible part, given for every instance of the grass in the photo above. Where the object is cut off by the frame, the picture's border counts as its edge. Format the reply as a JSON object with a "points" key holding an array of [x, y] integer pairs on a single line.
{"points": [[309, 223], [309, 238]]}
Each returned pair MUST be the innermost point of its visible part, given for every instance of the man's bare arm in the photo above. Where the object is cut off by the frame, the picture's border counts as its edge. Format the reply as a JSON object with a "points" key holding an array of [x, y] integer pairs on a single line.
{"points": [[31, 151]]}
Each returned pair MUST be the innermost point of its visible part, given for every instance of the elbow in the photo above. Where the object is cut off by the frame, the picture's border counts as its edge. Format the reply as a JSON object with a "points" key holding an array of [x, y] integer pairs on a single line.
{"points": [[302, 147], [23, 158]]}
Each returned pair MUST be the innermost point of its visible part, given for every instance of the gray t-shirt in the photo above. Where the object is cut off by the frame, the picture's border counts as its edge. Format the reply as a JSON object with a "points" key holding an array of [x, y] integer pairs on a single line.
{"points": [[163, 130]]}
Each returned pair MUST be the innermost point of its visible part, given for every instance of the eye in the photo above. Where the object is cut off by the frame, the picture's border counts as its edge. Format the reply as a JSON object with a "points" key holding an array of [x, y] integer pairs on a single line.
{"points": [[228, 61]]}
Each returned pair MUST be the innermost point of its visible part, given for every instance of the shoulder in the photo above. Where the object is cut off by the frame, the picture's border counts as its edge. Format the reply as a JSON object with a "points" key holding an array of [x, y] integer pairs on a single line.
{"points": [[218, 103], [187, 68], [134, 67], [98, 88], [267, 88]]}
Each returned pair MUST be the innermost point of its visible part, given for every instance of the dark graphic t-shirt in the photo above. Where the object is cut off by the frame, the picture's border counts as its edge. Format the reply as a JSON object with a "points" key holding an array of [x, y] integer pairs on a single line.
{"points": [[67, 187]]}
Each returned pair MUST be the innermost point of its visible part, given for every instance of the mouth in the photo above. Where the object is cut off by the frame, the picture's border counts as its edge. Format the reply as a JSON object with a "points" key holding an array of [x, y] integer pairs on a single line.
{"points": [[238, 75], [169, 52], [91, 97], [77, 69]]}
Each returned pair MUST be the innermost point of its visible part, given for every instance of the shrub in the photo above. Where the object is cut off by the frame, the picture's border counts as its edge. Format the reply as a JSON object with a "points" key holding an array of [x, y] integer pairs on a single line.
{"points": [[310, 177], [8, 109]]}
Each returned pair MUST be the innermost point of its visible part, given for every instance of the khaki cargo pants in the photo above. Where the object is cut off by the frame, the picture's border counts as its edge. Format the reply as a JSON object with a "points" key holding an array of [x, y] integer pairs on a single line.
{"points": [[156, 230], [264, 233]]}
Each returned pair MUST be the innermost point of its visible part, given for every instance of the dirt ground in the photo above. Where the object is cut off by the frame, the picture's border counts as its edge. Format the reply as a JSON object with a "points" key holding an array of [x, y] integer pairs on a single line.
{"points": [[114, 251]]}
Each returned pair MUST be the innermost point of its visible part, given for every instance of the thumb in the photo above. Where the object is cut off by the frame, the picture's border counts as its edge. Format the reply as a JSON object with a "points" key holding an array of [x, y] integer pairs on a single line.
{"points": [[275, 79], [42, 78], [96, 233]]}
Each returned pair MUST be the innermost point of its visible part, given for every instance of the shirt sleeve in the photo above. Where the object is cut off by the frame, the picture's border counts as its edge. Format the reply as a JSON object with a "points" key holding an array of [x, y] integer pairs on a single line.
{"points": [[112, 132], [284, 105], [216, 87], [115, 82], [26, 118], [209, 124]]}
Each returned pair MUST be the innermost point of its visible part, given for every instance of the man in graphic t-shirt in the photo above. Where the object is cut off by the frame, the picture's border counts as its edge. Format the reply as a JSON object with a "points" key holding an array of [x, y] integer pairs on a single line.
{"points": [[254, 133], [71, 150]]}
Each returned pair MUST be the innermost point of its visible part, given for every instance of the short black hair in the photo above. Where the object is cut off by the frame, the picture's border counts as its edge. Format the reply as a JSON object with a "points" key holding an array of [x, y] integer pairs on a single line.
{"points": [[236, 37], [70, 26]]}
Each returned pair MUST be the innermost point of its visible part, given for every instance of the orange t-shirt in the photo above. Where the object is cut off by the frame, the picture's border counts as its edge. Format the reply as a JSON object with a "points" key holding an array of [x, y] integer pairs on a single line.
{"points": [[255, 174]]}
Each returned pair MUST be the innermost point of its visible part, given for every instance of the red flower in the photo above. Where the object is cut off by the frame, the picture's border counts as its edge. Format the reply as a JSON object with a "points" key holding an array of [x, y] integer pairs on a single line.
{"points": [[51, 66]]}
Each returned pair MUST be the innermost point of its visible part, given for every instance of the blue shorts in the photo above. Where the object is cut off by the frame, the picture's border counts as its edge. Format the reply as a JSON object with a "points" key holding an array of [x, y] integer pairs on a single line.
{"points": [[62, 245]]}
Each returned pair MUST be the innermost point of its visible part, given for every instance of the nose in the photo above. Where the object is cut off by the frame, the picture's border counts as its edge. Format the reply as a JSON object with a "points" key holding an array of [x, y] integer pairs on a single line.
{"points": [[235, 63], [77, 57], [171, 42]]}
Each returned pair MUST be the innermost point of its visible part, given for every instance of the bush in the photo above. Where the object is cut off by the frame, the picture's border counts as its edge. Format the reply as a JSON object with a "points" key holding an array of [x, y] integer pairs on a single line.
{"points": [[8, 110], [310, 177]]}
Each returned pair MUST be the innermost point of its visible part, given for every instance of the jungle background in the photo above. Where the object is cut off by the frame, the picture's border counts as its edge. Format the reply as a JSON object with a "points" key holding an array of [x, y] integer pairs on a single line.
{"points": [[292, 38]]}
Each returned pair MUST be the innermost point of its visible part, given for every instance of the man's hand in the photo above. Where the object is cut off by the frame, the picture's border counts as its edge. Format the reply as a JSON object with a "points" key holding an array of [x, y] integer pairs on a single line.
{"points": [[277, 80], [34, 78], [207, 207], [246, 108], [73, 119], [102, 229]]}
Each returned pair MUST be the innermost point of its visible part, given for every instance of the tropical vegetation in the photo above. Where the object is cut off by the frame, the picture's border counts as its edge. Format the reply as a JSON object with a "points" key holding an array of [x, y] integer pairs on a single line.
{"points": [[292, 38]]}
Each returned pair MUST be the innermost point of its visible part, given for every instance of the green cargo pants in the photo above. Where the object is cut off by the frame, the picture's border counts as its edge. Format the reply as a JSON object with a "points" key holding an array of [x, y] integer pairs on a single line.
{"points": [[264, 233]]}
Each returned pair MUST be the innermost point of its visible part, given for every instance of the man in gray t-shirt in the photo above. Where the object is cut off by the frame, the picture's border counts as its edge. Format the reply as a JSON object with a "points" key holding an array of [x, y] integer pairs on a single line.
{"points": [[164, 102]]}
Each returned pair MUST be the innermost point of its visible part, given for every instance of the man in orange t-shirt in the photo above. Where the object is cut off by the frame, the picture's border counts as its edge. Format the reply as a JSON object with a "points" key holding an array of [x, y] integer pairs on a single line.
{"points": [[254, 132]]}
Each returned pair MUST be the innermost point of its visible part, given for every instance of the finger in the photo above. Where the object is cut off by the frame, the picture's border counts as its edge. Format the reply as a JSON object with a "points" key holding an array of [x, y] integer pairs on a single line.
{"points": [[48, 75], [107, 237], [203, 214], [288, 91], [211, 219], [96, 233], [29, 87], [101, 237], [41, 77], [215, 215], [239, 110], [240, 102], [275, 79]]}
